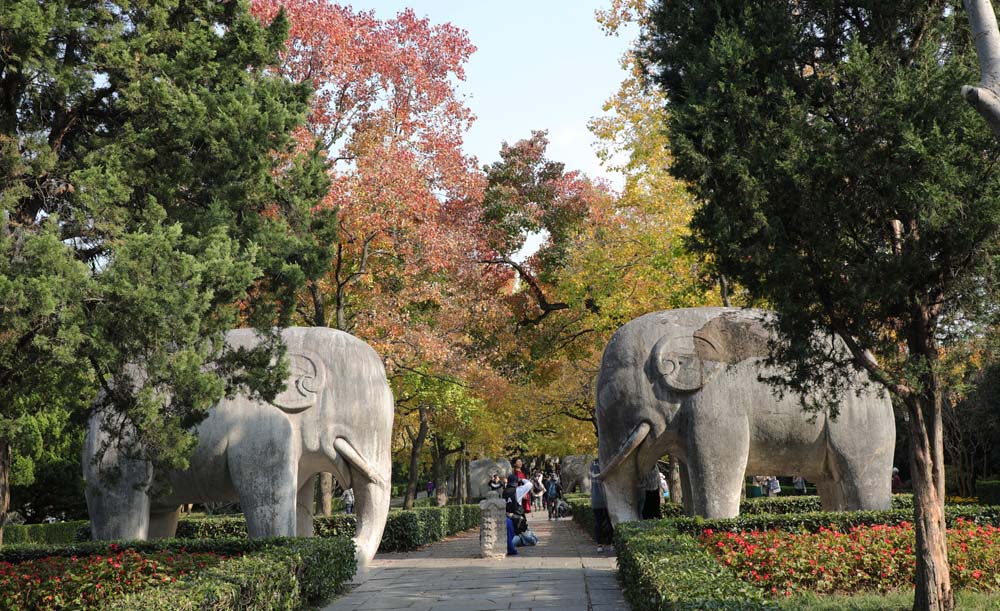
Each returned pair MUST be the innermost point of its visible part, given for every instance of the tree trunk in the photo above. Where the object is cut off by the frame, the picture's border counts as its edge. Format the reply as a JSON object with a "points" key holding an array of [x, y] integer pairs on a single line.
{"points": [[724, 290], [5, 463], [933, 583], [965, 476], [319, 308], [462, 479], [674, 481], [416, 447], [326, 493], [439, 458]]}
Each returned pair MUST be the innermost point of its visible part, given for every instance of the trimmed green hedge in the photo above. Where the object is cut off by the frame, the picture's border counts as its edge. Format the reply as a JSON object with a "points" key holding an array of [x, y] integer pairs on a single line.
{"points": [[813, 521], [665, 571], [803, 504], [264, 574], [662, 566], [405, 530], [988, 491], [59, 532], [297, 574]]}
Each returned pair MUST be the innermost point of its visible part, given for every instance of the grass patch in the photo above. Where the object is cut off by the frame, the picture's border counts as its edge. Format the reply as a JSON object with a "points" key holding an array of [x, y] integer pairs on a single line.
{"points": [[894, 601]]}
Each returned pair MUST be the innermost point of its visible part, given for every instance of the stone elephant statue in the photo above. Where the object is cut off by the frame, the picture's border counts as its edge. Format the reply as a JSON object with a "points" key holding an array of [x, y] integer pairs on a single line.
{"points": [[686, 383], [574, 473], [335, 416], [480, 472]]}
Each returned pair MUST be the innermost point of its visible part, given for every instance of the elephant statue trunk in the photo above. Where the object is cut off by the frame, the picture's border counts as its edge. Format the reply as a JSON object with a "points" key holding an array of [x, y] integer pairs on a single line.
{"points": [[688, 383], [335, 415]]}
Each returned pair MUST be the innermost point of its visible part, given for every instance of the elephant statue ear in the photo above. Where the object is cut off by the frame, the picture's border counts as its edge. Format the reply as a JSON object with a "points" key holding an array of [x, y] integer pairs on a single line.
{"points": [[680, 361], [307, 375]]}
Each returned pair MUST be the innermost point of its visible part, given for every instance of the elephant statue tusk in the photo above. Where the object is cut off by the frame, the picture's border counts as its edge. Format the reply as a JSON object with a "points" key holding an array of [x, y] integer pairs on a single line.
{"points": [[628, 446], [351, 455]]}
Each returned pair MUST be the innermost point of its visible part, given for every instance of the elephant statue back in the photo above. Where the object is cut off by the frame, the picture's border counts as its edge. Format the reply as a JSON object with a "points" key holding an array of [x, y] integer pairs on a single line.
{"points": [[574, 473], [688, 383], [334, 415]]}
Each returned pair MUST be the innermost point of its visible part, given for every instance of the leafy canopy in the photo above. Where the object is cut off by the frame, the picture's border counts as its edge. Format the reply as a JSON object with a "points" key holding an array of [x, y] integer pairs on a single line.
{"points": [[842, 177], [148, 183]]}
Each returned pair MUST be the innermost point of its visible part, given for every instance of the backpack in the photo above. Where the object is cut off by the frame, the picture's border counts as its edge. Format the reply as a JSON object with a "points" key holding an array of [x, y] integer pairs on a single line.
{"points": [[553, 491]]}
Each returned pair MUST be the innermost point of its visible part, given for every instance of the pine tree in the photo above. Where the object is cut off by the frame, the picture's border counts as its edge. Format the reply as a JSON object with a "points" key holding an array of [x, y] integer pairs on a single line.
{"points": [[845, 182], [149, 186]]}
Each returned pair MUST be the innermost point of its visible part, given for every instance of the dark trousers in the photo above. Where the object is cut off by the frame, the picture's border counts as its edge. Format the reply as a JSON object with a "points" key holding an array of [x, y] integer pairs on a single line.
{"points": [[602, 527], [651, 505]]}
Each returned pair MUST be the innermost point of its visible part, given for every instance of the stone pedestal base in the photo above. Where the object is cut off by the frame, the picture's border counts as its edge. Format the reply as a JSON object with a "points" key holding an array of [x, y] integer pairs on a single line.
{"points": [[493, 527]]}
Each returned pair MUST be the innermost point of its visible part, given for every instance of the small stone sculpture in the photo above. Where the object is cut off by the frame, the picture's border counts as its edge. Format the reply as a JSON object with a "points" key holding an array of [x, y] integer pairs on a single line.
{"points": [[335, 416], [574, 473], [686, 383], [480, 472], [493, 526]]}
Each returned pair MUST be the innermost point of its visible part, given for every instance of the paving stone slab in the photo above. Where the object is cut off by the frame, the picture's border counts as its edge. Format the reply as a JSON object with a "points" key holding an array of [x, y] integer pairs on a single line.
{"points": [[564, 571]]}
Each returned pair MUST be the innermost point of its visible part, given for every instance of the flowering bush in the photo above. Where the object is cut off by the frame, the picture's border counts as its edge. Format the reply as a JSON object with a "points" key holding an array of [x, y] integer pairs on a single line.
{"points": [[60, 582], [877, 557]]}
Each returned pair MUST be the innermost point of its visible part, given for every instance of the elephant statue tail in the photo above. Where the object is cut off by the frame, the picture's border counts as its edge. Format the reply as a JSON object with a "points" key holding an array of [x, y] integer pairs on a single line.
{"points": [[627, 447]]}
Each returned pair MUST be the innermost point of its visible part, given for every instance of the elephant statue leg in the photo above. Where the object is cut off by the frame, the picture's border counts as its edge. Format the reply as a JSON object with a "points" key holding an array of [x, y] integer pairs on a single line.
{"points": [[686, 490], [117, 488], [716, 464], [831, 495], [371, 506], [265, 474], [304, 508], [163, 524]]}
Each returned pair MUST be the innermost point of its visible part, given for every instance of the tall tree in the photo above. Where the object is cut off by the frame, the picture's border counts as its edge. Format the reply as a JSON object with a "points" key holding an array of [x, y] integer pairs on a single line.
{"points": [[843, 183], [142, 149], [390, 122]]}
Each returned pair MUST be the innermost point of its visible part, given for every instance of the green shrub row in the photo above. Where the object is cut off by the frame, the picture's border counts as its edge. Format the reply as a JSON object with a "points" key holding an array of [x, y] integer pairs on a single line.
{"points": [[813, 521], [59, 532], [661, 570], [988, 491], [264, 574], [405, 530], [803, 504], [298, 574]]}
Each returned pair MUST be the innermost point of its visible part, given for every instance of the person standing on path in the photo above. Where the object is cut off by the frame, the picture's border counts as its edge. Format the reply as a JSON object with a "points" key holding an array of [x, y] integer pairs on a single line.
{"points": [[599, 505], [553, 490], [651, 497], [348, 497]]}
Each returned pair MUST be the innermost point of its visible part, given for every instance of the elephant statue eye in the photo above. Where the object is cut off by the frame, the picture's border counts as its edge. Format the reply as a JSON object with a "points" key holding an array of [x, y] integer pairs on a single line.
{"points": [[669, 366]]}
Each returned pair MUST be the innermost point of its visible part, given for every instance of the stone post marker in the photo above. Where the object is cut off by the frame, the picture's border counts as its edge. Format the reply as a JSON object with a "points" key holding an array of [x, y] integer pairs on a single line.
{"points": [[493, 526]]}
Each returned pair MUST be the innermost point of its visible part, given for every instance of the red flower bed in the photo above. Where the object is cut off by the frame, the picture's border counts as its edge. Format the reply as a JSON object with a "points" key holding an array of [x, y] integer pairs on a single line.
{"points": [[878, 558], [83, 583]]}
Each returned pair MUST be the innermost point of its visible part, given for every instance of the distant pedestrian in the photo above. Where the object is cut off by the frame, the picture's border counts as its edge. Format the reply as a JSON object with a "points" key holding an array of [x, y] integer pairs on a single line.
{"points": [[348, 497], [772, 486], [553, 491], [599, 505], [650, 499], [537, 491], [897, 481], [799, 483], [430, 488], [496, 484]]}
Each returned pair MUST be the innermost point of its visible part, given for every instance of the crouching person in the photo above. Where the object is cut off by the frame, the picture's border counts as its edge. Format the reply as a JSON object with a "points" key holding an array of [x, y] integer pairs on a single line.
{"points": [[517, 522]]}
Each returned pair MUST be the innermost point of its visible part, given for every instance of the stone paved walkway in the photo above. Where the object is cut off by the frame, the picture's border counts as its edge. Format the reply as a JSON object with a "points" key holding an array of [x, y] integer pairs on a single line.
{"points": [[563, 572]]}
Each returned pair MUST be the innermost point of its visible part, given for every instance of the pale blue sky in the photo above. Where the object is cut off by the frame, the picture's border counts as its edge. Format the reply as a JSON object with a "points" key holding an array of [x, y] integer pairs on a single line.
{"points": [[539, 65]]}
